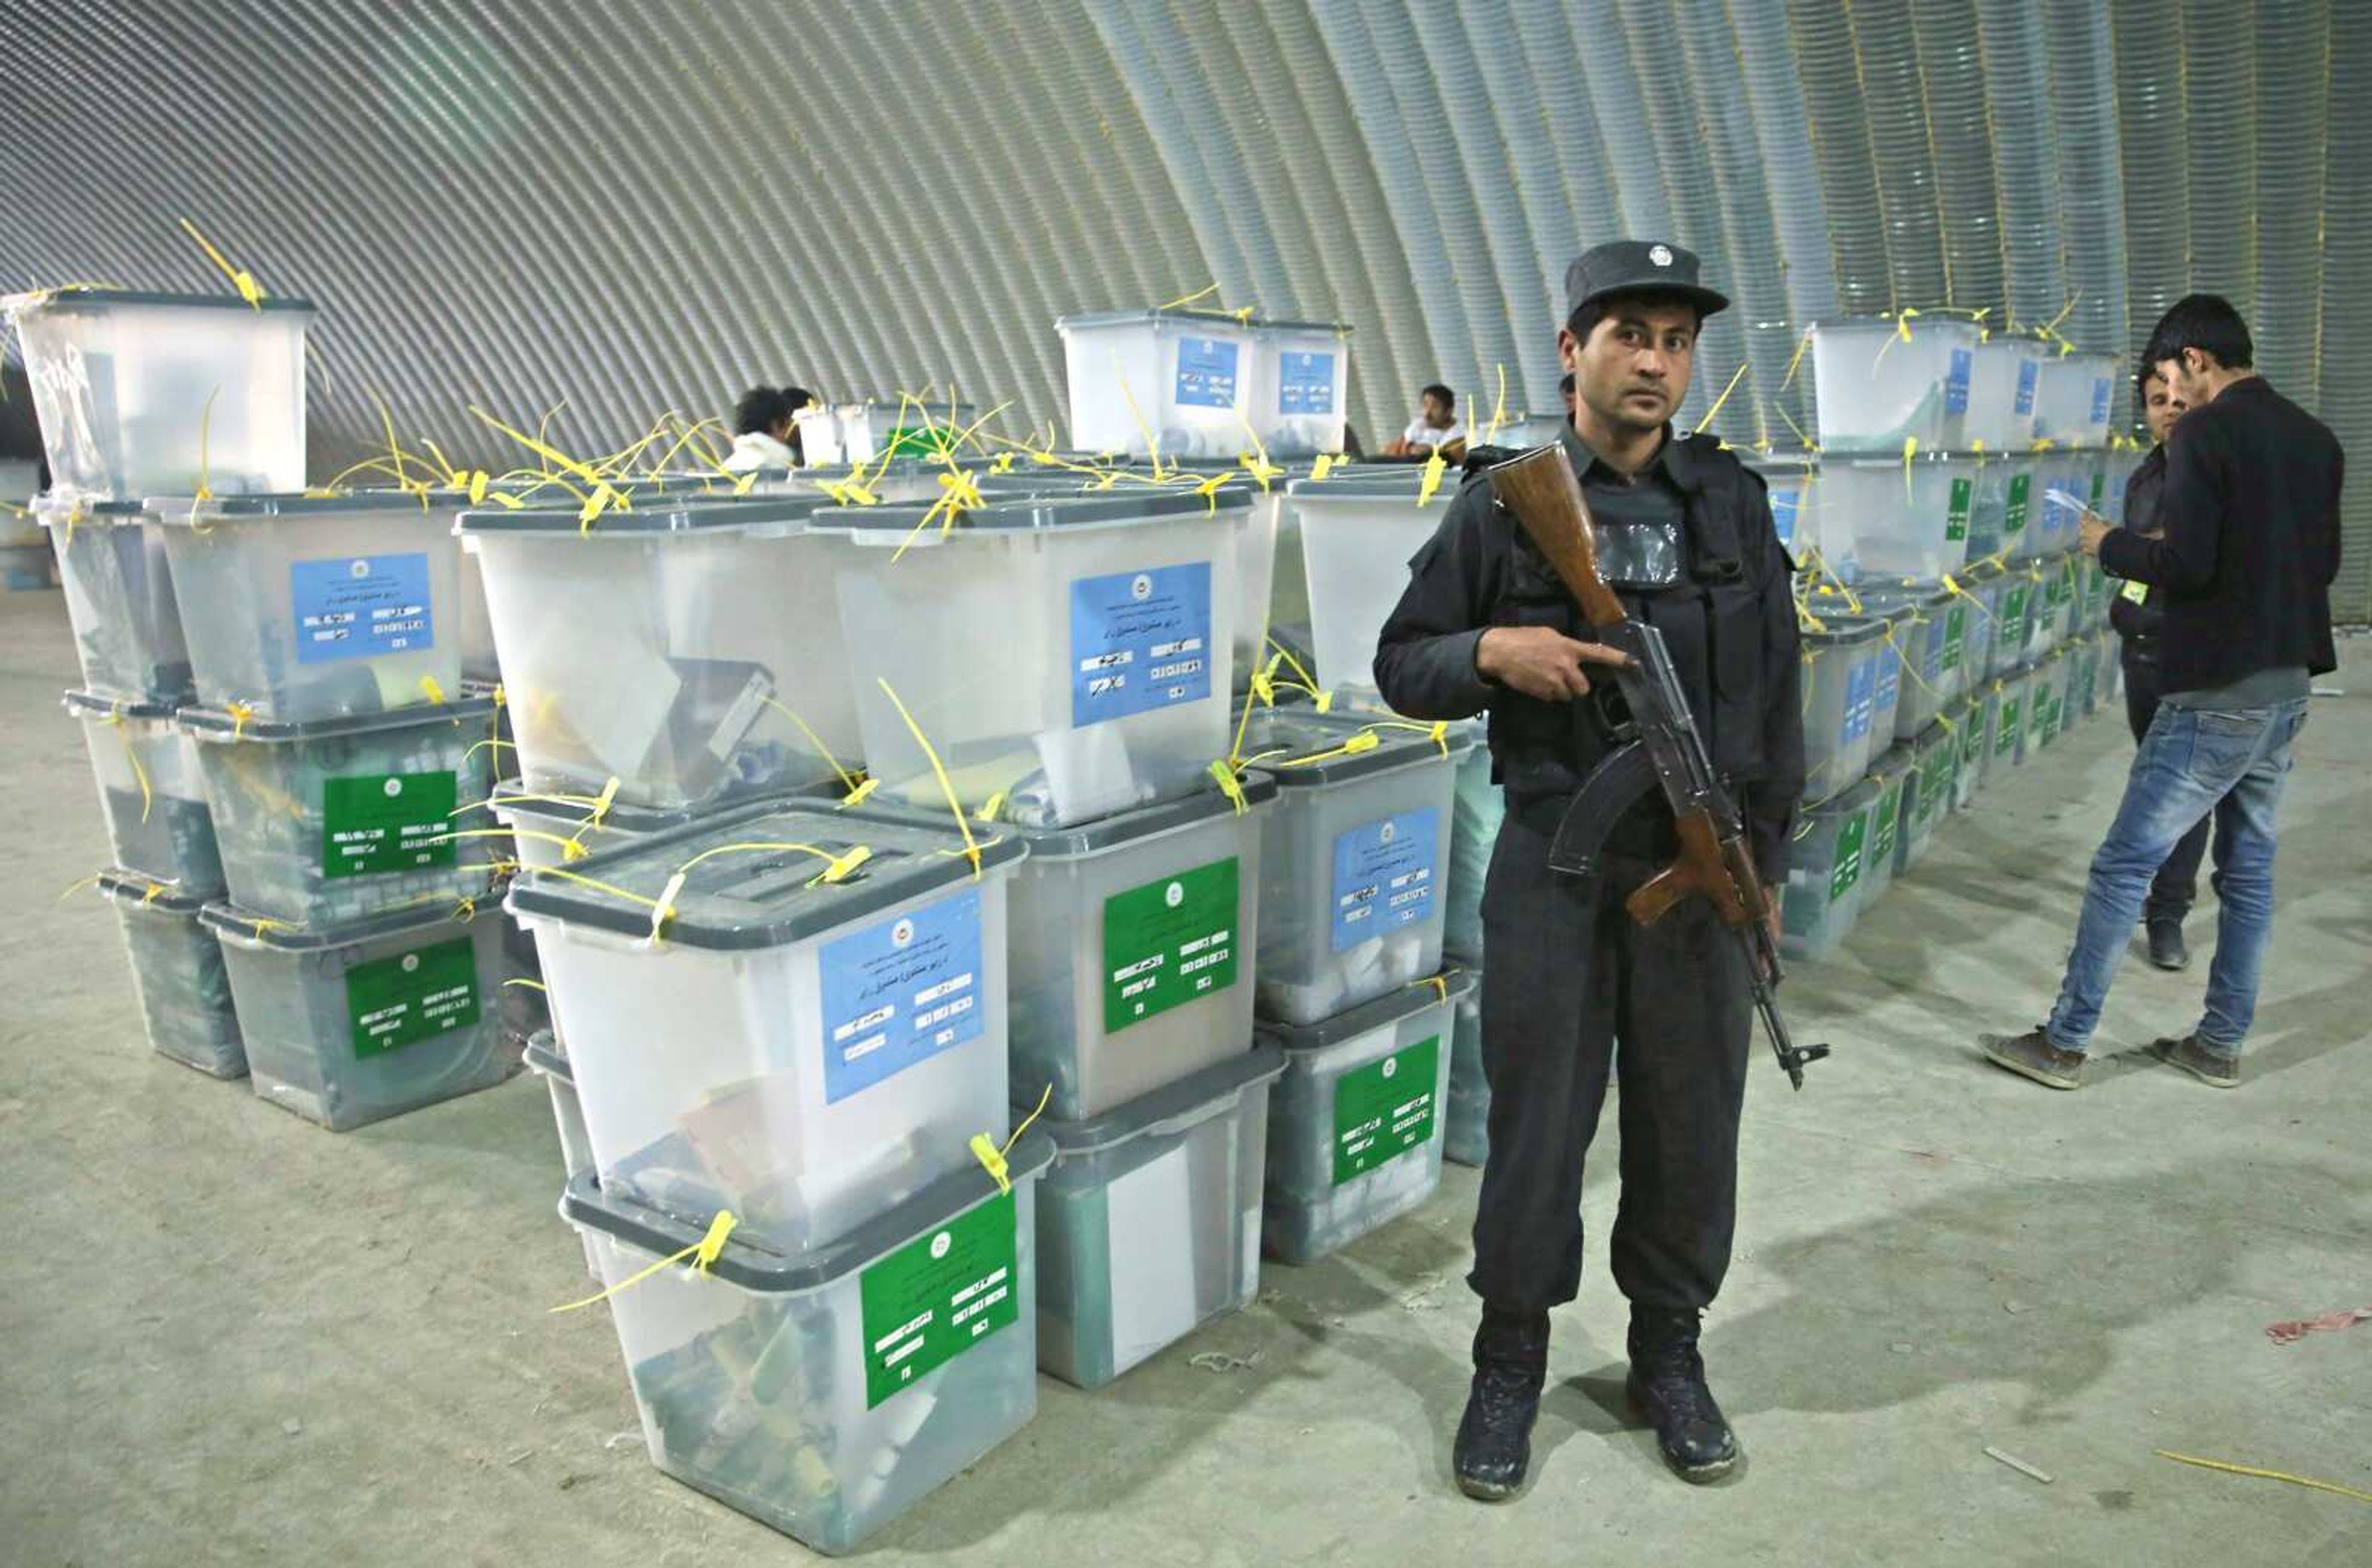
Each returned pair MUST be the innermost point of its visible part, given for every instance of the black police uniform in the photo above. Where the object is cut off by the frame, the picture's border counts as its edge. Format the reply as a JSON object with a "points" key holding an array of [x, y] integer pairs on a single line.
{"points": [[1571, 985]]}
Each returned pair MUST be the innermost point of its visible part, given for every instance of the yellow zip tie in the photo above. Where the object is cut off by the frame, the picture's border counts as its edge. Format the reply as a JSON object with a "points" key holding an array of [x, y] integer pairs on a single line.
{"points": [[1209, 490], [2064, 312], [1498, 409], [1433, 469], [74, 887], [1365, 740], [115, 718], [241, 279], [860, 794], [836, 867], [847, 779], [1802, 343], [1323, 466], [1910, 450], [1230, 786], [703, 1253], [551, 455], [1904, 659], [1707, 418], [206, 490], [991, 805], [2332, 1487], [992, 1159], [1243, 720], [240, 714], [1439, 983], [1002, 462], [1437, 731], [525, 984], [947, 785], [1286, 654]]}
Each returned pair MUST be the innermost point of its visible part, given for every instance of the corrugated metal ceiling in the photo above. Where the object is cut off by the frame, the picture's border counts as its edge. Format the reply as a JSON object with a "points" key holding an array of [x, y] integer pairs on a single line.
{"points": [[634, 208]]}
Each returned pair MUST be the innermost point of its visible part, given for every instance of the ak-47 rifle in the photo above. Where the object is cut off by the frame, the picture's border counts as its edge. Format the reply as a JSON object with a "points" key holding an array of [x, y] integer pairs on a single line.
{"points": [[1656, 744]]}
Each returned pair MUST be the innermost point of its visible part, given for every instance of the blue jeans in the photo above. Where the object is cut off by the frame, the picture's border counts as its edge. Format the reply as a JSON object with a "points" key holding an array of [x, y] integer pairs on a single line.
{"points": [[2191, 762]]}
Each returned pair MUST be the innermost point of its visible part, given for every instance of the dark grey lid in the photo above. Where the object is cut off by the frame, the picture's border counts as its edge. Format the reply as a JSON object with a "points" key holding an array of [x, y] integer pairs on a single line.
{"points": [[92, 704], [83, 297], [763, 898], [1372, 483], [186, 509], [544, 1055], [1024, 512], [214, 724], [1852, 798], [1302, 732], [229, 920], [753, 1268], [1200, 1092], [638, 821], [1895, 759], [55, 509], [1104, 833], [1399, 1003], [673, 512], [133, 888], [1845, 631]]}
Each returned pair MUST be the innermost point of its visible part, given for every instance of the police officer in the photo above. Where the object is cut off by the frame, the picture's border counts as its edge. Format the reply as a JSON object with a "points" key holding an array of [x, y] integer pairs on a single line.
{"points": [[1573, 986]]}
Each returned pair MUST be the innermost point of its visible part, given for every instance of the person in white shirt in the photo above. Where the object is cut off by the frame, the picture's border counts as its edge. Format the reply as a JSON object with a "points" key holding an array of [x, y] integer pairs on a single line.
{"points": [[765, 431], [1434, 429]]}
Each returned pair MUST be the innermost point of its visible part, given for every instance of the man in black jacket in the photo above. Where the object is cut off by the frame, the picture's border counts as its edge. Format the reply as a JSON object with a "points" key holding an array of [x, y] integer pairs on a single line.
{"points": [[2248, 546], [2139, 615], [1572, 983]]}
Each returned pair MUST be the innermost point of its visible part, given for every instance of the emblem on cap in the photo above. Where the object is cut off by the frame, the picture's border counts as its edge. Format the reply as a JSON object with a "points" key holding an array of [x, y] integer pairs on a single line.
{"points": [[1660, 255]]}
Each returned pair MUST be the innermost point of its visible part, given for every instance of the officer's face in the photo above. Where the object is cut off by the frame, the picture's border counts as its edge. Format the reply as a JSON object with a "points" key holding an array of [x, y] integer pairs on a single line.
{"points": [[2160, 407], [1633, 371]]}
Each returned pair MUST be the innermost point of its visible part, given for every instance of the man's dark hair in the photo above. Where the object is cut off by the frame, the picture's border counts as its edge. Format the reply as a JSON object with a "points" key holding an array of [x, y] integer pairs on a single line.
{"points": [[2208, 323], [763, 407], [1564, 382], [2143, 373], [1584, 318], [1448, 399]]}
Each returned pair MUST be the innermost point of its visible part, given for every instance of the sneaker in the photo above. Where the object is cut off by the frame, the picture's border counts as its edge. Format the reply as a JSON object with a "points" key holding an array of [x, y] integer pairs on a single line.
{"points": [[1495, 1436], [2032, 1055], [2199, 1059], [2167, 948], [1667, 1385]]}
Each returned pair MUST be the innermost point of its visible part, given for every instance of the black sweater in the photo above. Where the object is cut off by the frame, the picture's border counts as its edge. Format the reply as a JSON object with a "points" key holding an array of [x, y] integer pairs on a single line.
{"points": [[2142, 622], [2249, 540]]}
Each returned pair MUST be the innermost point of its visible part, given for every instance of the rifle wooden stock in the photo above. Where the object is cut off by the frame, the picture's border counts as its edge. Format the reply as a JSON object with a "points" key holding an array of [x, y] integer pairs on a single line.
{"points": [[1704, 867], [1542, 491]]}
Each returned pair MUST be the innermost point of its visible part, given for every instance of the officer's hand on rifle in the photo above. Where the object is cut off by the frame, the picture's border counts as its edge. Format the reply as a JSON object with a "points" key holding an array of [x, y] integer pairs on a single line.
{"points": [[1539, 662]]}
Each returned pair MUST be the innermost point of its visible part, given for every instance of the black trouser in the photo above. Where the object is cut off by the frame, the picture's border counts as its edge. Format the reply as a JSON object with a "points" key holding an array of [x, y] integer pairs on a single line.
{"points": [[2176, 887], [1570, 985]]}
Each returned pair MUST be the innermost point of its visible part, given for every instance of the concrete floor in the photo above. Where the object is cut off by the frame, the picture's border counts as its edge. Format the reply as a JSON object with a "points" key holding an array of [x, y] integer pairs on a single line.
{"points": [[232, 1337]]}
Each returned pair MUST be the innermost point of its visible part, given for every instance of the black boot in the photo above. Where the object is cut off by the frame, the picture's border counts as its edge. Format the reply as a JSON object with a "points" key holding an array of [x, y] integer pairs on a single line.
{"points": [[2167, 948], [1494, 1437], [1667, 1385]]}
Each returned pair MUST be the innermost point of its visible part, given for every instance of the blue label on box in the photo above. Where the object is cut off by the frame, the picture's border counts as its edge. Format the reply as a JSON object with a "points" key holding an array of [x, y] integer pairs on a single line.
{"points": [[1206, 373], [1783, 513], [1384, 875], [1139, 640], [1305, 383], [900, 993], [360, 606], [1956, 383], [1888, 665], [2029, 372], [1861, 692], [2101, 391]]}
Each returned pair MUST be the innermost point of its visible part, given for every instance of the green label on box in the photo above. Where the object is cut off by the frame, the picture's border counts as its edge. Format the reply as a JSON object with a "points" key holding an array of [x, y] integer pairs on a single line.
{"points": [[394, 1001], [1972, 744], [1890, 817], [2014, 512], [937, 1296], [1169, 942], [1849, 848], [386, 822], [2039, 716], [1955, 522], [2013, 611], [1956, 638], [2006, 732], [2099, 488], [1385, 1109]]}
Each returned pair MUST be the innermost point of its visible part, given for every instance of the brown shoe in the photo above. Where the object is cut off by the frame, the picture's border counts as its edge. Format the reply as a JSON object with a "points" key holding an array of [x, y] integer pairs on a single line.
{"points": [[2031, 1056], [2200, 1059]]}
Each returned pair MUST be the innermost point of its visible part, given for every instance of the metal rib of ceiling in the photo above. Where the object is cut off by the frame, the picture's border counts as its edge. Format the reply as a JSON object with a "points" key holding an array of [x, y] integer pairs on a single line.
{"points": [[636, 207]]}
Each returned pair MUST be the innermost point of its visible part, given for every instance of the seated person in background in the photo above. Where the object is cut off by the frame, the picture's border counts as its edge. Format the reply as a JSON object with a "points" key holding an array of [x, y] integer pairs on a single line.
{"points": [[1564, 390], [765, 430], [1434, 429]]}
